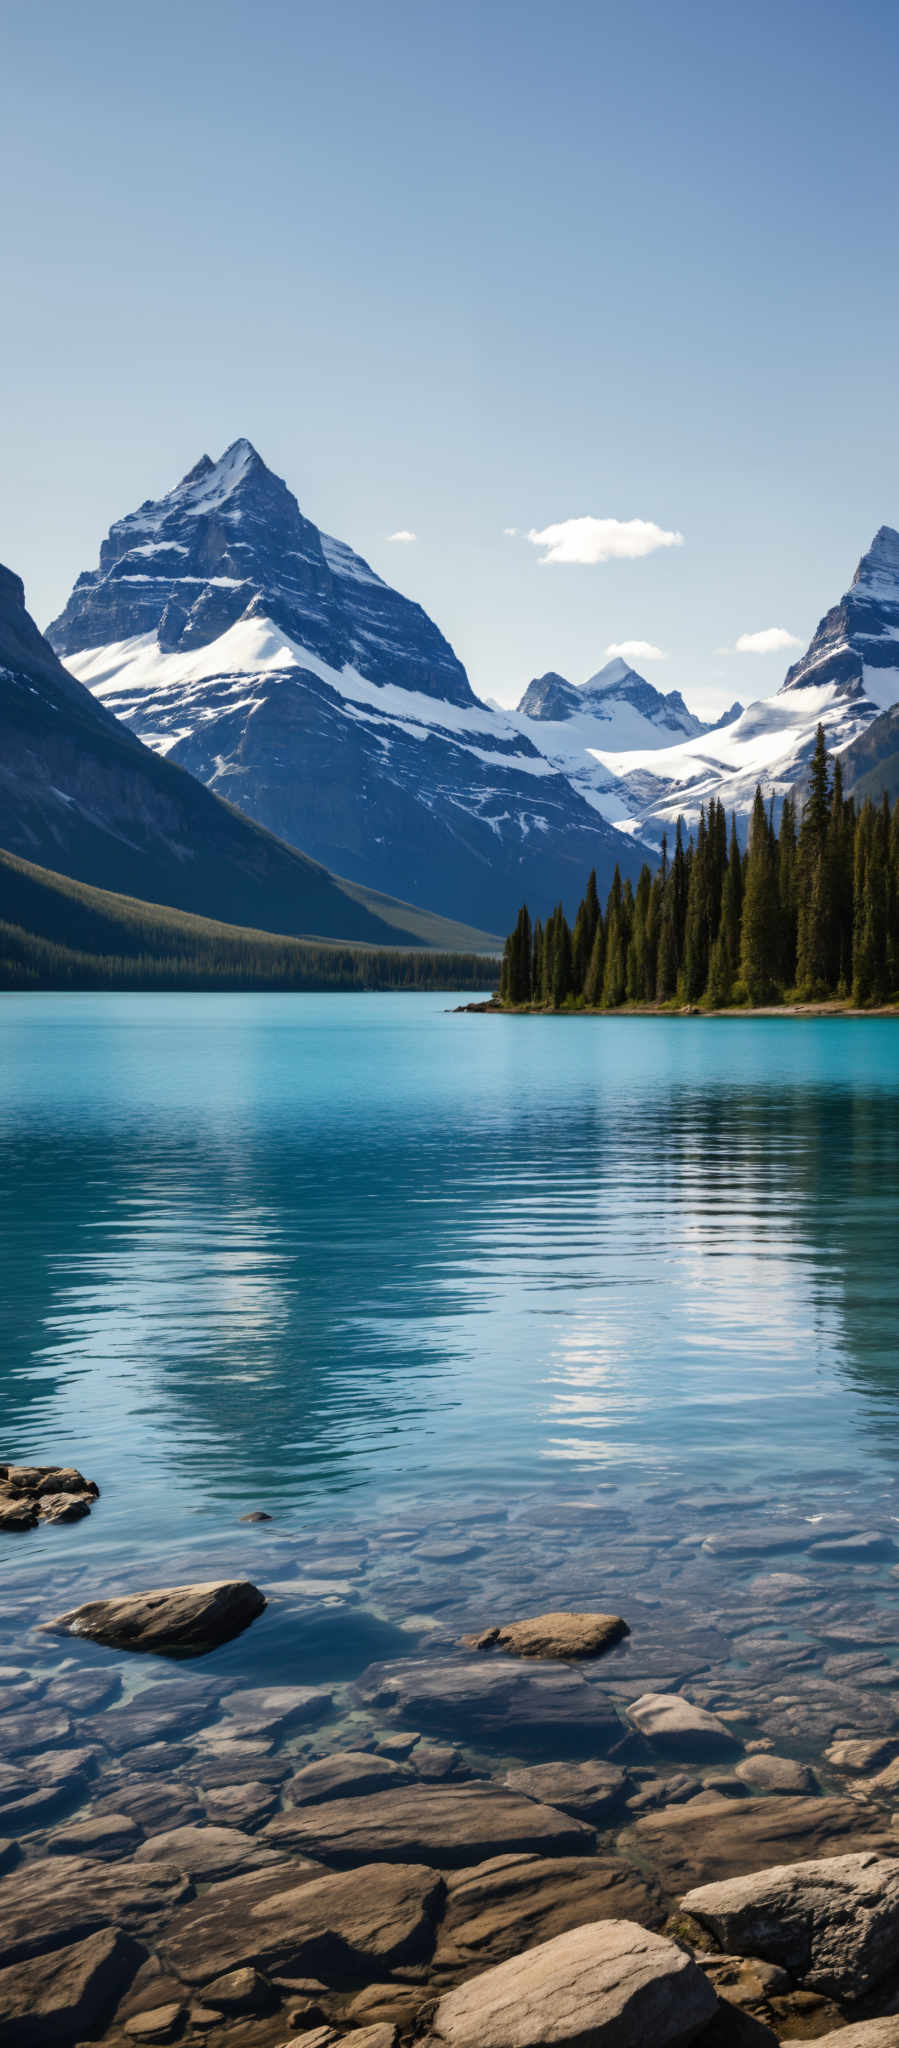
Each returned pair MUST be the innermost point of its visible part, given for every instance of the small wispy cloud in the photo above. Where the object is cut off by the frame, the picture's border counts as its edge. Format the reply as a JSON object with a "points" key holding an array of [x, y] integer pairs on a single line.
{"points": [[590, 540], [770, 641], [403, 534], [511, 532], [636, 650]]}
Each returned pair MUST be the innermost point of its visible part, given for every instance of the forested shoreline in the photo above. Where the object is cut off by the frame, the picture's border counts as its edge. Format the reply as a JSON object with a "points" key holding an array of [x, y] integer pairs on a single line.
{"points": [[808, 912]]}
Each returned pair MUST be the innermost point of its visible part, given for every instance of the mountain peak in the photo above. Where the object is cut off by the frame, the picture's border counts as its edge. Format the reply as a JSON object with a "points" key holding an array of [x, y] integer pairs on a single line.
{"points": [[881, 563], [615, 671]]}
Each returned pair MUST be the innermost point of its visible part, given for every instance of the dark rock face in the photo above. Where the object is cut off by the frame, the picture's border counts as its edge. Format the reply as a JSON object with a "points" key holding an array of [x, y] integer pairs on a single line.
{"points": [[551, 697], [80, 795], [860, 631], [871, 763], [276, 666]]}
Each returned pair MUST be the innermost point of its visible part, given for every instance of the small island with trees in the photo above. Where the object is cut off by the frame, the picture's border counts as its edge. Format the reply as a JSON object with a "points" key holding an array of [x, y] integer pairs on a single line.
{"points": [[807, 914]]}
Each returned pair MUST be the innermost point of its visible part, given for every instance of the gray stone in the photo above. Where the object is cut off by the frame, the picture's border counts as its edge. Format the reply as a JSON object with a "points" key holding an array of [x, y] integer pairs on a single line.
{"points": [[495, 1700], [676, 1727], [833, 1923], [271, 1710], [58, 1997], [445, 1825], [191, 1619], [497, 1908], [605, 1985]]}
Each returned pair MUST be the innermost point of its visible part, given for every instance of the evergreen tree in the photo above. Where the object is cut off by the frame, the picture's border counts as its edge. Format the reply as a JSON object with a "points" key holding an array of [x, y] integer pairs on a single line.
{"points": [[595, 969], [760, 933], [816, 961]]}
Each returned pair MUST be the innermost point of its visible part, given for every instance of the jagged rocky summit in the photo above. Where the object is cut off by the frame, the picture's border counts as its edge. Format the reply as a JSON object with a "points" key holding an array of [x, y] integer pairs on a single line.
{"points": [[847, 681], [81, 796], [272, 662]]}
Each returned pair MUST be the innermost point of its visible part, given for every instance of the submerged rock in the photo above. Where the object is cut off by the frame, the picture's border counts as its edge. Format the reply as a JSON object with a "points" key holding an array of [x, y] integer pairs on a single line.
{"points": [[344, 1775], [47, 1905], [554, 1636], [883, 2033], [494, 1700], [833, 1923], [589, 1791], [189, 1619], [775, 1774], [605, 1985], [673, 1724], [444, 1825], [742, 1835]]}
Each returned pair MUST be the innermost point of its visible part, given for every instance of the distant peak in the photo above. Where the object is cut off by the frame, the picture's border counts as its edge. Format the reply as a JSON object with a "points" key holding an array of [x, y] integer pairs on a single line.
{"points": [[196, 475], [882, 558], [614, 672]]}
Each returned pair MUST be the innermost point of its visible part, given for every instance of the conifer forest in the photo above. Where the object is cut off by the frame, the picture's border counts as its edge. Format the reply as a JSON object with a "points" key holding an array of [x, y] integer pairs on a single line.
{"points": [[808, 911]]}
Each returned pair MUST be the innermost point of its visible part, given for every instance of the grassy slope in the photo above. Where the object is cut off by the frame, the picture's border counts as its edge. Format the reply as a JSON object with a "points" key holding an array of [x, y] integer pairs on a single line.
{"points": [[59, 932]]}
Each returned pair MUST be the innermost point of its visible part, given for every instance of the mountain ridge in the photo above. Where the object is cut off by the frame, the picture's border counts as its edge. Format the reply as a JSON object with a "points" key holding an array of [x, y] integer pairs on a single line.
{"points": [[275, 665]]}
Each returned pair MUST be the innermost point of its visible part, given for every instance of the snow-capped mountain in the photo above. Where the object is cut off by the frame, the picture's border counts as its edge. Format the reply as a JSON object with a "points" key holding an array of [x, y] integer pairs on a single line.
{"points": [[617, 710], [80, 795], [272, 661], [848, 676]]}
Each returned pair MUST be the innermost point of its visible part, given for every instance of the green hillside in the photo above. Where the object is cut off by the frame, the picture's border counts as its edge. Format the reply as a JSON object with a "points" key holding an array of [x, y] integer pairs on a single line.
{"points": [[59, 934]]}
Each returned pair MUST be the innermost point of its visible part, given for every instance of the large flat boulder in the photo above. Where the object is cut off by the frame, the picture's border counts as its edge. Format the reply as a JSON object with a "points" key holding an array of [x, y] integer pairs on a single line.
{"points": [[346, 1774], [59, 1997], [590, 1791], [44, 1905], [739, 1836], [206, 1852], [190, 1619], [554, 1636], [271, 1709], [495, 1700], [608, 1984], [443, 1824], [833, 1923], [347, 1925], [678, 1728], [497, 1908]]}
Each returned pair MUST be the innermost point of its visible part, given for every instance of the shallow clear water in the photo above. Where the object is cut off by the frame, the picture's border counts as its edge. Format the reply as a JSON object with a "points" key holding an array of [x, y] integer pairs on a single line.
{"points": [[367, 1264]]}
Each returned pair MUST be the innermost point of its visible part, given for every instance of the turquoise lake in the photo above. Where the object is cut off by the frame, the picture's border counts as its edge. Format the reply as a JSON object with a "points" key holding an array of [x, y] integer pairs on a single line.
{"points": [[390, 1273]]}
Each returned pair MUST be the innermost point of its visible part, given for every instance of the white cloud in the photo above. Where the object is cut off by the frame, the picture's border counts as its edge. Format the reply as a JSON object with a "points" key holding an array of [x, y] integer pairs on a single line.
{"points": [[403, 535], [636, 650], [602, 540], [770, 641], [511, 532]]}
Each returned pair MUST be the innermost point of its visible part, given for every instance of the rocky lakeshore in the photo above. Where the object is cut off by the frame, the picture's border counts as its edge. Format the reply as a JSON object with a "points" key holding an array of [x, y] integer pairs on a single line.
{"points": [[521, 1824]]}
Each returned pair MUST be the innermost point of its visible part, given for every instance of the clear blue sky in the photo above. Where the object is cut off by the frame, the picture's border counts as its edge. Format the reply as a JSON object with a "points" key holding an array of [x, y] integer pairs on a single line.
{"points": [[462, 267]]}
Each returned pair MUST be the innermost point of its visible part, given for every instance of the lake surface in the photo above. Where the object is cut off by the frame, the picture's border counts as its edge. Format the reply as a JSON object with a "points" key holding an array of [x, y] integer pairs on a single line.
{"points": [[548, 1299]]}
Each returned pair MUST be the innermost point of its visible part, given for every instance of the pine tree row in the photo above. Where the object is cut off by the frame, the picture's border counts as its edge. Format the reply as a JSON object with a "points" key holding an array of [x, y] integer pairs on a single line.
{"points": [[807, 913]]}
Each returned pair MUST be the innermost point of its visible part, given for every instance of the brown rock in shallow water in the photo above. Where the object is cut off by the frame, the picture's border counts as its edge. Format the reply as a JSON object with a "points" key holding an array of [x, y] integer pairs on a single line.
{"points": [[496, 1909], [554, 1636], [590, 1791], [191, 1619], [444, 1825], [353, 1922], [606, 1985], [46, 1904], [743, 1835], [63, 1507], [58, 1997], [41, 1479], [18, 1513]]}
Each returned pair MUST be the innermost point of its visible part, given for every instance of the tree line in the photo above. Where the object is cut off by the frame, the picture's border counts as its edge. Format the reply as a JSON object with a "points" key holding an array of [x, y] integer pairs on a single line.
{"points": [[30, 961], [809, 910]]}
